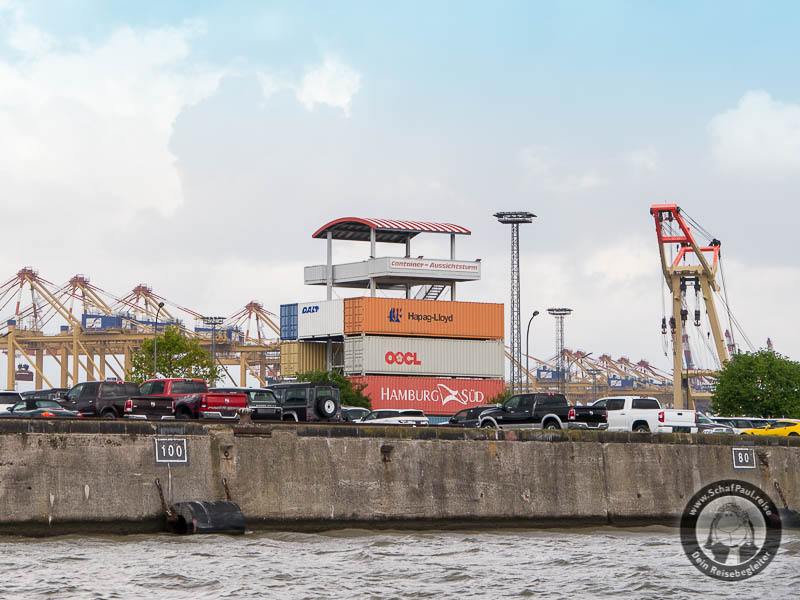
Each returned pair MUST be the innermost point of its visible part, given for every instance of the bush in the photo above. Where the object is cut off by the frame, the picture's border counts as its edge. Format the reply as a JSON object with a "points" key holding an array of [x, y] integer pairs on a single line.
{"points": [[350, 394]]}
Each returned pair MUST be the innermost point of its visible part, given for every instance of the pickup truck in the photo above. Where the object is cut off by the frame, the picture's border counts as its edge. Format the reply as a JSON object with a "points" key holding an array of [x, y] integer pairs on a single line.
{"points": [[183, 399], [105, 399], [542, 410], [644, 414]]}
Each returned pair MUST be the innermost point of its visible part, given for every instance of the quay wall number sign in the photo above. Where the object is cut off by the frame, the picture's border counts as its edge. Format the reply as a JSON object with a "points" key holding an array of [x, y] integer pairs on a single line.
{"points": [[744, 458], [172, 451]]}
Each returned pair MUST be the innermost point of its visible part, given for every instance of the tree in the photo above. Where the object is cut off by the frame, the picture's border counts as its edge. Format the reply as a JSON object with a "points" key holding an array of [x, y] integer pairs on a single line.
{"points": [[350, 394], [758, 384], [176, 356]]}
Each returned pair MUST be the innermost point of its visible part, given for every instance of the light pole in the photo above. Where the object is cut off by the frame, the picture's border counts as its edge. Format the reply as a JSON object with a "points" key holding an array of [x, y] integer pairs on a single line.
{"points": [[527, 351], [213, 322], [155, 339]]}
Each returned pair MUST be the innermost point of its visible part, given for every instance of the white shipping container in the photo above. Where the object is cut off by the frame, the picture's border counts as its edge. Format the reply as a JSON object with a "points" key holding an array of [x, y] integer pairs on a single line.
{"points": [[388, 355], [320, 319]]}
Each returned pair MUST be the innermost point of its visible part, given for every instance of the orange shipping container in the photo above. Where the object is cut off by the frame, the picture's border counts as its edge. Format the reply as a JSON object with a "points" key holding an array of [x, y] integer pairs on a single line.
{"points": [[426, 318]]}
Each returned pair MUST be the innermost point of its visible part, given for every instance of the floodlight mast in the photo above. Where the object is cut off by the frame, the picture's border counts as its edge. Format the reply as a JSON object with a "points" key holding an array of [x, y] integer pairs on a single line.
{"points": [[515, 218]]}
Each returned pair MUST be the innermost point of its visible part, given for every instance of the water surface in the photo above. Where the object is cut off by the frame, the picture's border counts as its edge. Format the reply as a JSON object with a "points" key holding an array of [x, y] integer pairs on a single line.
{"points": [[585, 563]]}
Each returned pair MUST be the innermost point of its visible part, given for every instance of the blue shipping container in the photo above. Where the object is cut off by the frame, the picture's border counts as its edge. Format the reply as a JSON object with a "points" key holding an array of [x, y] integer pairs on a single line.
{"points": [[92, 321], [289, 321], [624, 383]]}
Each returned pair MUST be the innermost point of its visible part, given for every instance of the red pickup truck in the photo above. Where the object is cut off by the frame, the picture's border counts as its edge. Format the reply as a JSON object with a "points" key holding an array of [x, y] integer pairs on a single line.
{"points": [[183, 399]]}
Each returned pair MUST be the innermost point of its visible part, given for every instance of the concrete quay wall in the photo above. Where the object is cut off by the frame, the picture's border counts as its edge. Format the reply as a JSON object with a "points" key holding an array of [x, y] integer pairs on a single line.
{"points": [[65, 476]]}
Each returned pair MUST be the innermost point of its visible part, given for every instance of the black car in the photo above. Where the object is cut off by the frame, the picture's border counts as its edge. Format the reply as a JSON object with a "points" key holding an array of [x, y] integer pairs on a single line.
{"points": [[469, 416], [52, 394], [308, 401], [104, 399], [33, 409], [262, 402], [543, 410]]}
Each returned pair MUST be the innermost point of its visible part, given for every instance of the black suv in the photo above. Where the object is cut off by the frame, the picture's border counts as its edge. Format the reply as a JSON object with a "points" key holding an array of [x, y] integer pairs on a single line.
{"points": [[100, 398], [308, 401], [544, 410]]}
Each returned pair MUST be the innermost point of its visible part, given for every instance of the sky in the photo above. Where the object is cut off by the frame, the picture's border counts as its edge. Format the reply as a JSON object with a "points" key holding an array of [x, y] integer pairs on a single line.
{"points": [[195, 147]]}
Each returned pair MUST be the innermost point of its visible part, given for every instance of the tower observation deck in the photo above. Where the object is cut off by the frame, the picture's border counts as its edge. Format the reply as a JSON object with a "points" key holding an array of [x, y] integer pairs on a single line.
{"points": [[391, 272]]}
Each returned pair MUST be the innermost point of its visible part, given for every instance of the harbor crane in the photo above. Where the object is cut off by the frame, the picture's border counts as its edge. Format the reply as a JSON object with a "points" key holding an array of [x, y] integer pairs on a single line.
{"points": [[696, 266]]}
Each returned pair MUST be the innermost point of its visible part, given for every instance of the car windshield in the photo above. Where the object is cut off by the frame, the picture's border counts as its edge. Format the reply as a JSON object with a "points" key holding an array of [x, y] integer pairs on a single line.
{"points": [[412, 413], [781, 424], [189, 387], [264, 397], [47, 404], [9, 397]]}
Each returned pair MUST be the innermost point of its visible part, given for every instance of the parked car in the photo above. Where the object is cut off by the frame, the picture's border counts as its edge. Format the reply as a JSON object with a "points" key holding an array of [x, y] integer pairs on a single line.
{"points": [[783, 427], [542, 410], [352, 414], [642, 414], [262, 402], [105, 399], [39, 409], [395, 416], [470, 417], [56, 394], [304, 401], [8, 399], [183, 398], [741, 424], [707, 425]]}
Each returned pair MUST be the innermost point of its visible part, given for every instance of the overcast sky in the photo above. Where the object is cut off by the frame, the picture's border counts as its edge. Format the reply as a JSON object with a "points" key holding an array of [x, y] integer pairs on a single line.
{"points": [[196, 146]]}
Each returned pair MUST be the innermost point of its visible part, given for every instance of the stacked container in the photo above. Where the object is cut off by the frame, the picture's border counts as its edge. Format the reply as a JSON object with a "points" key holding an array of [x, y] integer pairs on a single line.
{"points": [[306, 330], [433, 355]]}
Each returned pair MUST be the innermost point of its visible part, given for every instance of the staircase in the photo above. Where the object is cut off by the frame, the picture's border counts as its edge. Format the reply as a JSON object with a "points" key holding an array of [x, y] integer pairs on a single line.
{"points": [[430, 292]]}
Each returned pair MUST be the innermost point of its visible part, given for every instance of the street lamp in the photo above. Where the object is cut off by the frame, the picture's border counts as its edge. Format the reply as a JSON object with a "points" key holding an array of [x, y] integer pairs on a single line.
{"points": [[213, 322], [155, 339], [527, 351]]}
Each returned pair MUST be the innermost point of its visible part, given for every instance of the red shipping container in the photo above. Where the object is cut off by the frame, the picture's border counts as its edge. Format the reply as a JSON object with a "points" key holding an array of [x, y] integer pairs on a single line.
{"points": [[433, 395]]}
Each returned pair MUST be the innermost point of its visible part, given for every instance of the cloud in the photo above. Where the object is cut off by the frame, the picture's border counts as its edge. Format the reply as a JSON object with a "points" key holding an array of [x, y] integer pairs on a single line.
{"points": [[540, 167], [92, 122], [333, 83], [759, 137], [644, 159]]}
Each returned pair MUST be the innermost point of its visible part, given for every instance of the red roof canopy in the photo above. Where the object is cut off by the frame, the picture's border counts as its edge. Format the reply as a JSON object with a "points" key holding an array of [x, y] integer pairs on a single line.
{"points": [[386, 230]]}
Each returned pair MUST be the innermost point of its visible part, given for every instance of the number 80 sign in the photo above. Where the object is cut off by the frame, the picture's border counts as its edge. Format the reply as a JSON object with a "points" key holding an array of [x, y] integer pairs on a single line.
{"points": [[171, 450]]}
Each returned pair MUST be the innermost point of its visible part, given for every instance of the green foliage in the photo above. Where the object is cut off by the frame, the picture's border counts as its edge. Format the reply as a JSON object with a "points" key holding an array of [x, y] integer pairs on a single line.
{"points": [[176, 356], [500, 398], [759, 384], [350, 394]]}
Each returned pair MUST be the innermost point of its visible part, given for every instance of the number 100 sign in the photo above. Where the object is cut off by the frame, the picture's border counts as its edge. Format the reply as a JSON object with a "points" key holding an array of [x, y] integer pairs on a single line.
{"points": [[172, 451]]}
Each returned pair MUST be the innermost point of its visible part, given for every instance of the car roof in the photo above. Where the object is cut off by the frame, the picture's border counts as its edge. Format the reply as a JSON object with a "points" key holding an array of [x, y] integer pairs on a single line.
{"points": [[628, 398]]}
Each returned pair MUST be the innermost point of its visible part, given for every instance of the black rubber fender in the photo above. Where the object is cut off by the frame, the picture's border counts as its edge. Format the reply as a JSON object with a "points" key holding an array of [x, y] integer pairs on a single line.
{"points": [[221, 516]]}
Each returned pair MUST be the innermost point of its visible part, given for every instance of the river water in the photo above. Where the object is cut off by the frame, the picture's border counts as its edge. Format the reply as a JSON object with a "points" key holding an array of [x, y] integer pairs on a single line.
{"points": [[573, 563]]}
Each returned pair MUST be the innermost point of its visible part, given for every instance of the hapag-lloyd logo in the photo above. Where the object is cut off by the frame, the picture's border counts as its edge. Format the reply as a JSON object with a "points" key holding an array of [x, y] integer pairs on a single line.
{"points": [[396, 315], [441, 394]]}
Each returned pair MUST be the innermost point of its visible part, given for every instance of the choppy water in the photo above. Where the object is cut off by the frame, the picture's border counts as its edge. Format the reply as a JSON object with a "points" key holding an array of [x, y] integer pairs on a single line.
{"points": [[605, 562]]}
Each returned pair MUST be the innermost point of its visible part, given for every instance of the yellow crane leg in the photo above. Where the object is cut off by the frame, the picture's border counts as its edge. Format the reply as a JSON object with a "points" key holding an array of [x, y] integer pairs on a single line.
{"points": [[39, 356], [243, 369], [64, 352]]}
